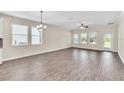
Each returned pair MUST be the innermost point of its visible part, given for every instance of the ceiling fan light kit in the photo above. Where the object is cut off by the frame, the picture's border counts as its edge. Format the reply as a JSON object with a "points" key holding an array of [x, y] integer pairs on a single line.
{"points": [[83, 26]]}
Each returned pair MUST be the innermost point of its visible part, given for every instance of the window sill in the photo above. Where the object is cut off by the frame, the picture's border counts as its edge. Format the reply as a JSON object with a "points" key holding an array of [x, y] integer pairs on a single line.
{"points": [[36, 44], [19, 45]]}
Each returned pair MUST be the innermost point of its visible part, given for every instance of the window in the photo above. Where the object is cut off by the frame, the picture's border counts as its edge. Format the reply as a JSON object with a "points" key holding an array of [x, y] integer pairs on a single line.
{"points": [[83, 37], [75, 38], [19, 35], [92, 37], [36, 36]]}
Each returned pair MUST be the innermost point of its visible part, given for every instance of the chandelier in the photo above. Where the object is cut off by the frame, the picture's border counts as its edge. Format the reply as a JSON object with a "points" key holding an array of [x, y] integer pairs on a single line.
{"points": [[41, 26]]}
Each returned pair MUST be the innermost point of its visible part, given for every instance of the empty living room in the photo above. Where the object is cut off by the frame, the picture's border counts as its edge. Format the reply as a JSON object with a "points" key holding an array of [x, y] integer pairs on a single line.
{"points": [[61, 46]]}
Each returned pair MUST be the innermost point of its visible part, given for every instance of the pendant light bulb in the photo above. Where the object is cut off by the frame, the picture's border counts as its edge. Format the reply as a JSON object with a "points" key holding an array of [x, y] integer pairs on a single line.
{"points": [[45, 27], [41, 26]]}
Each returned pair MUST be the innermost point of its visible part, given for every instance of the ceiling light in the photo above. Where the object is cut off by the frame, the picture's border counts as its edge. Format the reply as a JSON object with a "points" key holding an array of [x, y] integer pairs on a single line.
{"points": [[41, 26], [83, 26]]}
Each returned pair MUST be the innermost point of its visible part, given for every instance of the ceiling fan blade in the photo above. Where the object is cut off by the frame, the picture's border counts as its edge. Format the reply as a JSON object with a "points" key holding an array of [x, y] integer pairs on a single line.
{"points": [[86, 26]]}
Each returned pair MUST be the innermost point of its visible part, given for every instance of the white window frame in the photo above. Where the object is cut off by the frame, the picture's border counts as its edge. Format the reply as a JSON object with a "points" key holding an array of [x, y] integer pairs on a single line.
{"points": [[40, 37], [112, 36], [89, 38], [86, 38], [73, 39], [19, 35]]}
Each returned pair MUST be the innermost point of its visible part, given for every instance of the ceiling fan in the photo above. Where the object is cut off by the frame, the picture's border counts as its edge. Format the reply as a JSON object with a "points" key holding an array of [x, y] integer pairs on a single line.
{"points": [[82, 26]]}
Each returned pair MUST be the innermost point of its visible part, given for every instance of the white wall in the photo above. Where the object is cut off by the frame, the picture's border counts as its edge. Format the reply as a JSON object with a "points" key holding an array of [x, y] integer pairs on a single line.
{"points": [[101, 29], [53, 38], [121, 37], [1, 36], [1, 27]]}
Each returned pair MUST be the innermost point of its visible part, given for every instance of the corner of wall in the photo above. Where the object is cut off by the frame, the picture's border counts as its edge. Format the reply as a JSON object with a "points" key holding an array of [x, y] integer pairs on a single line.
{"points": [[120, 35], [121, 57]]}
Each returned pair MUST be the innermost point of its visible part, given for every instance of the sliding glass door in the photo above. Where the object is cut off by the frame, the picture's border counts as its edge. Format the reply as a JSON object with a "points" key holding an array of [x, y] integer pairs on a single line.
{"points": [[108, 44]]}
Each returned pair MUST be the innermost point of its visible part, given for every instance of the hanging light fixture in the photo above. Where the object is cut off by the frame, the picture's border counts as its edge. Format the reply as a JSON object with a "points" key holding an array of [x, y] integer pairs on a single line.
{"points": [[41, 26]]}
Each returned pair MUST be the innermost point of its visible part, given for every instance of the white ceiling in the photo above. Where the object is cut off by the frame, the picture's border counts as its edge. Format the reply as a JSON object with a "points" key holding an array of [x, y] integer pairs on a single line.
{"points": [[70, 19]]}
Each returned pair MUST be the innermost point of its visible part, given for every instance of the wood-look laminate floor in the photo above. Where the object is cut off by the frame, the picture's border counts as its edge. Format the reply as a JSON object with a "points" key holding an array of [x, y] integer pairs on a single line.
{"points": [[68, 64]]}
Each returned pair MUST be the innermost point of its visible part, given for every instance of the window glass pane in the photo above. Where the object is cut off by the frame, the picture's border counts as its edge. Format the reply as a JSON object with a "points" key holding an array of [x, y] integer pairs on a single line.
{"points": [[19, 40], [19, 29], [35, 39], [83, 38], [36, 36], [75, 38], [35, 31], [19, 35], [92, 37]]}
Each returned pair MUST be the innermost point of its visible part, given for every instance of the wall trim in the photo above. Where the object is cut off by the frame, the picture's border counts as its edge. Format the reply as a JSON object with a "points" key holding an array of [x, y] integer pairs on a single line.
{"points": [[95, 49], [1, 56], [121, 57], [28, 55]]}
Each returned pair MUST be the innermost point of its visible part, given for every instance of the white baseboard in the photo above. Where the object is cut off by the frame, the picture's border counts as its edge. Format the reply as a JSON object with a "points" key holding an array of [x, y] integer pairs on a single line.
{"points": [[34, 54], [121, 57], [88, 48], [1, 56], [93, 48]]}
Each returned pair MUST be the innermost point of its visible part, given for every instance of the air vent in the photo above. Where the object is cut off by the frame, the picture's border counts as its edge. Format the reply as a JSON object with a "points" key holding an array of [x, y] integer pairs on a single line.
{"points": [[111, 23]]}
